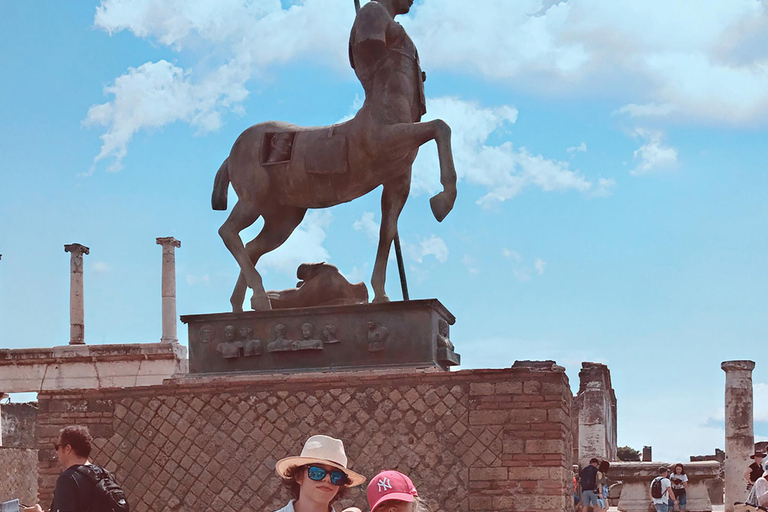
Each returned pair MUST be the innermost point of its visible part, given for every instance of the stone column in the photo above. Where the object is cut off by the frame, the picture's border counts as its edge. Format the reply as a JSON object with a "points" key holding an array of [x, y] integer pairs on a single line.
{"points": [[3, 396], [596, 406], [739, 428], [169, 288], [76, 304]]}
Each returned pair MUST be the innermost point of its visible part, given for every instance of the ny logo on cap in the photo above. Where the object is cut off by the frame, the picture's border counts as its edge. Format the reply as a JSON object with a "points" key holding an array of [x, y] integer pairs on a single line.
{"points": [[384, 484]]}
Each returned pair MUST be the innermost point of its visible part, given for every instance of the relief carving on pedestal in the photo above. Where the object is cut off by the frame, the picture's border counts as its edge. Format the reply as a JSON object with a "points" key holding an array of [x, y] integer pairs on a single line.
{"points": [[377, 335]]}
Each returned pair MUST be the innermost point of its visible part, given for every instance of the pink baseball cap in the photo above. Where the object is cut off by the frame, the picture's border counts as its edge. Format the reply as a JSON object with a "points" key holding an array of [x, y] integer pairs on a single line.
{"points": [[390, 485]]}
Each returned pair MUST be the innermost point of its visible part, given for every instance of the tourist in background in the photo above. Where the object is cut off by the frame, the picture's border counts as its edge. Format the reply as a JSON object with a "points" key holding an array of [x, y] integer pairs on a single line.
{"points": [[665, 492], [679, 482], [602, 484], [588, 480], [318, 477], [755, 469], [392, 491]]}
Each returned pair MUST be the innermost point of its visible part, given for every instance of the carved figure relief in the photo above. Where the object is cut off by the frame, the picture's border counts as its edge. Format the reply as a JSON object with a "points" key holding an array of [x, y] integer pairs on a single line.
{"points": [[307, 341], [329, 334], [443, 339], [230, 347], [280, 343], [206, 334], [251, 346], [278, 146], [377, 335]]}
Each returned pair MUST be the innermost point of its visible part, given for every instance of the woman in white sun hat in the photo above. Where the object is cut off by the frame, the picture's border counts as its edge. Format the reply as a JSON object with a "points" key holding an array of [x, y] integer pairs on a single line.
{"points": [[317, 477]]}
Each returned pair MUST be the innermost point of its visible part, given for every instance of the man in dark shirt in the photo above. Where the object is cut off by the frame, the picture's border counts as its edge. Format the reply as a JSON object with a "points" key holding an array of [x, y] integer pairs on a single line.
{"points": [[588, 477], [756, 469], [74, 490]]}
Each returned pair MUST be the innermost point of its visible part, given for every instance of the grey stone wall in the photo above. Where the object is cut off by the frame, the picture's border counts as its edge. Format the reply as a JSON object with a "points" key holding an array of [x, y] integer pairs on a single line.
{"points": [[18, 475], [19, 423]]}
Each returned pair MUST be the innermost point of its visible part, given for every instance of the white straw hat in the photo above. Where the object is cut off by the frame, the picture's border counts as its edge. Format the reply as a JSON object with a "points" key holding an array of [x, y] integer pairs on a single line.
{"points": [[324, 450]]}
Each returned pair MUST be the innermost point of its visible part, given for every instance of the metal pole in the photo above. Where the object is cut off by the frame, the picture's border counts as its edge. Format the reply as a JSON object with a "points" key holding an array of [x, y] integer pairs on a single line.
{"points": [[401, 267]]}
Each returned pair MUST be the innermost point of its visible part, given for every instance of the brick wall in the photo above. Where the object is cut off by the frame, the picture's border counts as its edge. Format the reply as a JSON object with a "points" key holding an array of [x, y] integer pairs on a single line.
{"points": [[473, 440], [19, 475]]}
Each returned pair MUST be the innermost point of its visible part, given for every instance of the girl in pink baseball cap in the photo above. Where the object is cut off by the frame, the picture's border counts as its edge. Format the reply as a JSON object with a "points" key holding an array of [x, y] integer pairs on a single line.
{"points": [[392, 491]]}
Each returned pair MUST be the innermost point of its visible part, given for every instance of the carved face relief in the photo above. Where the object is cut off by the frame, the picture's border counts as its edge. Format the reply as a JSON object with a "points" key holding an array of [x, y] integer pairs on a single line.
{"points": [[306, 330], [280, 332], [206, 334], [245, 333], [229, 332]]}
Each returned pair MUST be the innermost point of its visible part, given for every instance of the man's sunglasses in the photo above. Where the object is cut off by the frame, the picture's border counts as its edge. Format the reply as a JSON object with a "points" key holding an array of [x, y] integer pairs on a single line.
{"points": [[317, 473]]}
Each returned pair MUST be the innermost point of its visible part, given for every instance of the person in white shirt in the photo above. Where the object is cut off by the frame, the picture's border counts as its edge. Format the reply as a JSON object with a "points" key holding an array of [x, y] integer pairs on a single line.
{"points": [[679, 482], [761, 490], [662, 503], [317, 477]]}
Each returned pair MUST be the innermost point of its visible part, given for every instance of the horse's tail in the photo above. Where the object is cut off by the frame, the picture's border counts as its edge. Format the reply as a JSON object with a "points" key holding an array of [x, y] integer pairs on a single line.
{"points": [[221, 187]]}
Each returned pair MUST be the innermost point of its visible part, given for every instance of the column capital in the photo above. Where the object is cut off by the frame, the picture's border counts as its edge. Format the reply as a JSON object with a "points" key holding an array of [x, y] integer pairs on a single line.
{"points": [[77, 249], [730, 366], [168, 241]]}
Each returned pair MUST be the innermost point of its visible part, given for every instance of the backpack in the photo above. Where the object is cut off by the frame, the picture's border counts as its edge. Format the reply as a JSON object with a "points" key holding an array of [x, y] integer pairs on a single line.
{"points": [[107, 495], [656, 487]]}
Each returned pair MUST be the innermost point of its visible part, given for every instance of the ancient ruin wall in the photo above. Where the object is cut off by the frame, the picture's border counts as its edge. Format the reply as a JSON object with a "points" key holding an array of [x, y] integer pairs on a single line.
{"points": [[594, 415], [19, 479], [479, 440], [19, 424]]}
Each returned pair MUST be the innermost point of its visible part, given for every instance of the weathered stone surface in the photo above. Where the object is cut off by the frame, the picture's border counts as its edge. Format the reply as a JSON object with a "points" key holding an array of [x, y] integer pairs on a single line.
{"points": [[279, 170], [739, 428], [637, 477], [393, 334], [210, 443], [595, 415], [168, 288], [19, 425], [90, 367], [76, 301], [19, 474]]}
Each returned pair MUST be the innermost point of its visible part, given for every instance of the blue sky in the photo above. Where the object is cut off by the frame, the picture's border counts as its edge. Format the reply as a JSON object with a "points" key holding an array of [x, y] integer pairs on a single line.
{"points": [[611, 160]]}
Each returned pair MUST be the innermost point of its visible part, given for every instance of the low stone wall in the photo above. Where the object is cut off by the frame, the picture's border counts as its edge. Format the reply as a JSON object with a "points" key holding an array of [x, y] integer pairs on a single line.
{"points": [[19, 478], [479, 440], [637, 477]]}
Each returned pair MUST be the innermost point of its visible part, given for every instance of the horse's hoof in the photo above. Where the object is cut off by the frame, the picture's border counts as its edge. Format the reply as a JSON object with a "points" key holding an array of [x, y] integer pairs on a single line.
{"points": [[261, 304], [441, 205], [380, 299]]}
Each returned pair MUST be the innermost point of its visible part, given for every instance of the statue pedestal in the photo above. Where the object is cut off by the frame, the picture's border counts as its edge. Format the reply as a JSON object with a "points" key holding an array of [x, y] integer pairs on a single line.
{"points": [[395, 334]]}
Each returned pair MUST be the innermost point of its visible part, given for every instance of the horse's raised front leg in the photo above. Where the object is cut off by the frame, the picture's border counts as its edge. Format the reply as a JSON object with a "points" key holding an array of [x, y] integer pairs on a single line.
{"points": [[279, 223], [405, 137], [242, 216], [392, 201]]}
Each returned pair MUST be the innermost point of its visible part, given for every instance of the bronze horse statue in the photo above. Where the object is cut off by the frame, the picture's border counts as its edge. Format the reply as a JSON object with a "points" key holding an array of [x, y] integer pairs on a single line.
{"points": [[279, 170]]}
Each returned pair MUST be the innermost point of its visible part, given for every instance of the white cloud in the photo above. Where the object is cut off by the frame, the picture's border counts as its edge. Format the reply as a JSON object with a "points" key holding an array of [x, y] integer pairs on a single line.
{"points": [[714, 70], [195, 280], [305, 245], [368, 225], [658, 61], [357, 274], [159, 93], [502, 169], [101, 267], [521, 270], [581, 148], [653, 156], [433, 246], [471, 265], [647, 110]]}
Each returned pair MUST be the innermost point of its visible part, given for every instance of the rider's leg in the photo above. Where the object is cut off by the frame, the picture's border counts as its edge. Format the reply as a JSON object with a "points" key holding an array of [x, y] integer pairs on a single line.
{"points": [[279, 223], [393, 198]]}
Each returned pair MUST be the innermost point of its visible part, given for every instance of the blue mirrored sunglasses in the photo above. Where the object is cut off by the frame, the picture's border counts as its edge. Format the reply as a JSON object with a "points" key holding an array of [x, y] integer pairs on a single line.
{"points": [[317, 473]]}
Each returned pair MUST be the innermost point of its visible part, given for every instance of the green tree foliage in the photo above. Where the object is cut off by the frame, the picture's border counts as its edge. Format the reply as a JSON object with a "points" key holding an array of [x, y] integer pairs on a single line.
{"points": [[627, 454]]}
